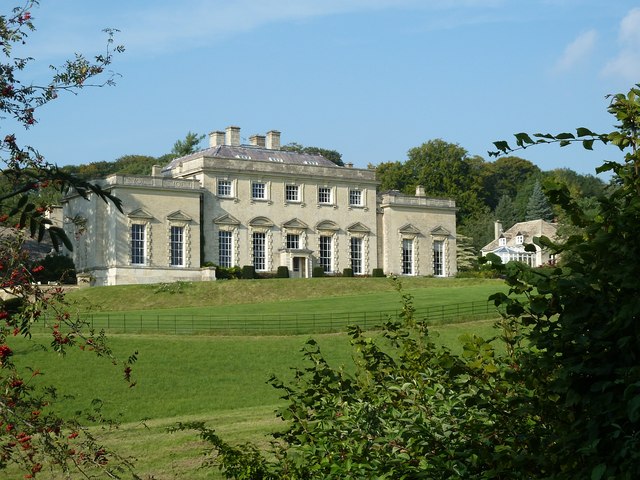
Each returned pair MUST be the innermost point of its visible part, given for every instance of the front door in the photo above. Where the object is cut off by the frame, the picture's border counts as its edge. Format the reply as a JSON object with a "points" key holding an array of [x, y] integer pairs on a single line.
{"points": [[299, 267]]}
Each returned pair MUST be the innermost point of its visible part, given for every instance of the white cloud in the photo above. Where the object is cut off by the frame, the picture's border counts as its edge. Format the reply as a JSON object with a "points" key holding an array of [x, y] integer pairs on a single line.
{"points": [[155, 26], [576, 51], [626, 64]]}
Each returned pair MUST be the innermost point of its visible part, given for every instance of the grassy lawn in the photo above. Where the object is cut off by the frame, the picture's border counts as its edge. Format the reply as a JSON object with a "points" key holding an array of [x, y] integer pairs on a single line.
{"points": [[278, 306], [274, 295], [217, 379]]}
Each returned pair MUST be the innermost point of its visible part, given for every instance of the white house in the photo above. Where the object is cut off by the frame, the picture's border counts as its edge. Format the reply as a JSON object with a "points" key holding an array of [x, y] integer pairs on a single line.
{"points": [[510, 244], [235, 205]]}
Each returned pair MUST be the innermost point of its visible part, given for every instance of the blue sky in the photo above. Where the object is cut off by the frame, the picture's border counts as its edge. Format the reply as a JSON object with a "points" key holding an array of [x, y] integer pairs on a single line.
{"points": [[369, 78]]}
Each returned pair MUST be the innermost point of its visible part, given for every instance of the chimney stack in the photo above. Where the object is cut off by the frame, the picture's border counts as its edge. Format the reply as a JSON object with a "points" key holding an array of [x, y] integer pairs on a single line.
{"points": [[216, 138], [273, 140], [497, 229], [420, 191], [257, 140], [156, 171], [232, 136]]}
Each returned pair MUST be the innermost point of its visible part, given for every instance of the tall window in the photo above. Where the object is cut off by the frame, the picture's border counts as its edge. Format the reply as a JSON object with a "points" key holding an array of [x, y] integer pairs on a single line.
{"points": [[258, 190], [356, 255], [324, 195], [292, 193], [293, 241], [407, 257], [225, 248], [259, 250], [355, 198], [224, 188], [137, 244], [326, 253], [176, 247], [438, 258]]}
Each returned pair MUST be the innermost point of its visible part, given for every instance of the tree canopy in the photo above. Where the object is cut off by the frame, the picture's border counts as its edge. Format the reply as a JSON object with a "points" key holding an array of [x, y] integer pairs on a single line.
{"points": [[331, 155], [33, 436]]}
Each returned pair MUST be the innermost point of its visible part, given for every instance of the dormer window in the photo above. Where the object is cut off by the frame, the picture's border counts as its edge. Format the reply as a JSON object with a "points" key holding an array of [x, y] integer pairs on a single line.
{"points": [[519, 239], [502, 242]]}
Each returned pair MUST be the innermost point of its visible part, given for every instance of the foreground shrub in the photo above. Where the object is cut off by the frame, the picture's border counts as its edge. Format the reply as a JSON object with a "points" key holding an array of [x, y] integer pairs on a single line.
{"points": [[347, 272], [317, 272]]}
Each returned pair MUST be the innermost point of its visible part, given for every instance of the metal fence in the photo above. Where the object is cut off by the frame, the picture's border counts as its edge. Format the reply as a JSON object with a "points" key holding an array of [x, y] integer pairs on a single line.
{"points": [[276, 324]]}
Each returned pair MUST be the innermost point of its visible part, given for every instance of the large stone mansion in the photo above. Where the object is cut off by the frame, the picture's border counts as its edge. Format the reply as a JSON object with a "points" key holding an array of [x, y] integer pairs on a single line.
{"points": [[235, 205]]}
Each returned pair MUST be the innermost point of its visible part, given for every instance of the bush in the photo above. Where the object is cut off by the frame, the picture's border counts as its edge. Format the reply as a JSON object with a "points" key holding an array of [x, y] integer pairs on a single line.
{"points": [[228, 273], [347, 272], [283, 272], [55, 268], [317, 272], [248, 272], [377, 272]]}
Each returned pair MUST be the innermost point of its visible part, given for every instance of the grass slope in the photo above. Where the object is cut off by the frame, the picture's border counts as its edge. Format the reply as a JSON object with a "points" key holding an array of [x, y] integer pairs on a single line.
{"points": [[219, 380], [276, 295]]}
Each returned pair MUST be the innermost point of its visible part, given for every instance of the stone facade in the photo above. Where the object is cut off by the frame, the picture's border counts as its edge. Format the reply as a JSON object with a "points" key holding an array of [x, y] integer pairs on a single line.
{"points": [[236, 205]]}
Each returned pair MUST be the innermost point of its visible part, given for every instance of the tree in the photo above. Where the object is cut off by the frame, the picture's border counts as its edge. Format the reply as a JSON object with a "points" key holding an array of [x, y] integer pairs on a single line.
{"points": [[331, 155], [582, 318], [506, 212], [392, 176], [538, 206], [466, 254], [187, 146], [504, 176], [445, 170], [32, 435]]}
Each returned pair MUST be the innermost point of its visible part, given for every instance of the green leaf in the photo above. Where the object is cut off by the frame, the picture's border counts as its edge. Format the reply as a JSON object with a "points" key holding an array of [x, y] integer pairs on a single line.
{"points": [[588, 144], [548, 136], [584, 132], [598, 471], [502, 146], [565, 136], [633, 409], [522, 138]]}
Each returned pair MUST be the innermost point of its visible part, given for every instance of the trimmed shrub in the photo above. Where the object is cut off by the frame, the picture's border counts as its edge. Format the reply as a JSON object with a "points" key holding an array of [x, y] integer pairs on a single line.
{"points": [[248, 272], [377, 272], [317, 272], [55, 268], [228, 273], [347, 272], [283, 272]]}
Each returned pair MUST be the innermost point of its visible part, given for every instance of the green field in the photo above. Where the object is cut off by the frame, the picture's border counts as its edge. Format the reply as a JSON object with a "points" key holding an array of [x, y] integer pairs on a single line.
{"points": [[212, 378]]}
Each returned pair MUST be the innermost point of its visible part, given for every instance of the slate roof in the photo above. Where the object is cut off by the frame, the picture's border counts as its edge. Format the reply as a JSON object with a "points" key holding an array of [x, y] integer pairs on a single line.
{"points": [[530, 229], [36, 250], [258, 154]]}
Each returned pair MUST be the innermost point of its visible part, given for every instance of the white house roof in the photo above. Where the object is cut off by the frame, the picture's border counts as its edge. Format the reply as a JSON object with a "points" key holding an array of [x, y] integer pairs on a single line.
{"points": [[528, 230]]}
